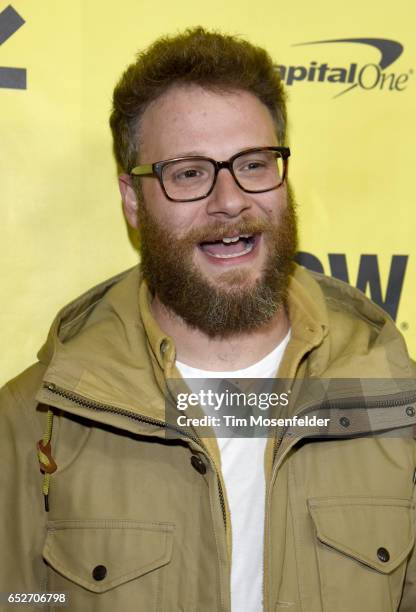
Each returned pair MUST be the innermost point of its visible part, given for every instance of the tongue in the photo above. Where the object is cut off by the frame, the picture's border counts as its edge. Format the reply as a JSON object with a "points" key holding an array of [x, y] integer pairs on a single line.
{"points": [[219, 248]]}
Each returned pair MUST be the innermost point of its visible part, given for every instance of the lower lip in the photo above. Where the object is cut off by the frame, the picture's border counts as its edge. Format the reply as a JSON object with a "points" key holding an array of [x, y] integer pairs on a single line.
{"points": [[231, 261]]}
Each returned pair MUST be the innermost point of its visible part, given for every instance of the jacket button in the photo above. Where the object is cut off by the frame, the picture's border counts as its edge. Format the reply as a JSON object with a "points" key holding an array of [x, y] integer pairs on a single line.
{"points": [[410, 411], [345, 422], [198, 464], [99, 572], [383, 554]]}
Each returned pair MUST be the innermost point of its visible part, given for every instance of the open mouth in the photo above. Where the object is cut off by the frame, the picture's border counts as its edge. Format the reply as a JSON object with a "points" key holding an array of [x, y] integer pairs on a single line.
{"points": [[230, 247]]}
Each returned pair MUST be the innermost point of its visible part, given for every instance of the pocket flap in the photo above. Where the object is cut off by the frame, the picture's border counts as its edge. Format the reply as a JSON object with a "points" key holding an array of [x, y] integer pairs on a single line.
{"points": [[376, 531], [117, 550]]}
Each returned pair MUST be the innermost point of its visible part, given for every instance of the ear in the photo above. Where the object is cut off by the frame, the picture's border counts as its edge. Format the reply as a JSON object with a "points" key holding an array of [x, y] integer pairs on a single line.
{"points": [[129, 197]]}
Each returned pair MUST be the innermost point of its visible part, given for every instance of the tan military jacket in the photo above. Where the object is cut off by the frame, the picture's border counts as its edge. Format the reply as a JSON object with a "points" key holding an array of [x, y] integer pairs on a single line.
{"points": [[138, 520]]}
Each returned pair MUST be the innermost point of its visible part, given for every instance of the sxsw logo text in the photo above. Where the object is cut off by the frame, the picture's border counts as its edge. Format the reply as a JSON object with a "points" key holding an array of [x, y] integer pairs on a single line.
{"points": [[10, 22], [368, 278], [365, 76]]}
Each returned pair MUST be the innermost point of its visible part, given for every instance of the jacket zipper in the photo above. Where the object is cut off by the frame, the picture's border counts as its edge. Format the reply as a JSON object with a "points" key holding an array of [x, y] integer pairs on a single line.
{"points": [[345, 403], [91, 404]]}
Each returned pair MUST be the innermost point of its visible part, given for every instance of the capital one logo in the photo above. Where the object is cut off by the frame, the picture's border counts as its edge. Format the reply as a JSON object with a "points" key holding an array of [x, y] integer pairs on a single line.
{"points": [[366, 76], [10, 22]]}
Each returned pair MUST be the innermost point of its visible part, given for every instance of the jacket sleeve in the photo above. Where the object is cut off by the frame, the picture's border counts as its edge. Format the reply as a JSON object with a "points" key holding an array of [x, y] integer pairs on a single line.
{"points": [[408, 601], [22, 527]]}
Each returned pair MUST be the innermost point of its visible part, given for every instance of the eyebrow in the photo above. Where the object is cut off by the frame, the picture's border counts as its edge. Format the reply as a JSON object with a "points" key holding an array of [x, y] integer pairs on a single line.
{"points": [[189, 154], [201, 154]]}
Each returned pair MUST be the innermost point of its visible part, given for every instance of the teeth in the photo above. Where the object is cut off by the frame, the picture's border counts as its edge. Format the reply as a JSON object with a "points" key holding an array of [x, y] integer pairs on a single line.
{"points": [[229, 240], [249, 247], [236, 238]]}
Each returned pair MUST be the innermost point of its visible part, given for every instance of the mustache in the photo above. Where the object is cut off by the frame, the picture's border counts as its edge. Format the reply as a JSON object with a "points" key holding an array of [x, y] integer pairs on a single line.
{"points": [[219, 230]]}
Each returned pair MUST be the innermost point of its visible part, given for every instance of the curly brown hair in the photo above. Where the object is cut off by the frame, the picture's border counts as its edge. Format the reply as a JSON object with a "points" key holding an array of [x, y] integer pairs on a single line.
{"points": [[210, 59]]}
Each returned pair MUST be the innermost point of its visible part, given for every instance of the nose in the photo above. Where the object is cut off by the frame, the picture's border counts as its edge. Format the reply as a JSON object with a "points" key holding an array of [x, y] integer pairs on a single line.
{"points": [[227, 199]]}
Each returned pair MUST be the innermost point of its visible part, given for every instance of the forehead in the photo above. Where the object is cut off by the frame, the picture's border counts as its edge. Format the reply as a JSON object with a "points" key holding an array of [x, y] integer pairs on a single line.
{"points": [[189, 120]]}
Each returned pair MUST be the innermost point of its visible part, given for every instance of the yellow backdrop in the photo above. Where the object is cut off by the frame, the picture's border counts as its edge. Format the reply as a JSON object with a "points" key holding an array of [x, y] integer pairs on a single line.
{"points": [[352, 162]]}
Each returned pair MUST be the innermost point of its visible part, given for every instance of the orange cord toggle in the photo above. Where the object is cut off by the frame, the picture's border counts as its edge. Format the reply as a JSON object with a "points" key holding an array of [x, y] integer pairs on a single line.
{"points": [[47, 463]]}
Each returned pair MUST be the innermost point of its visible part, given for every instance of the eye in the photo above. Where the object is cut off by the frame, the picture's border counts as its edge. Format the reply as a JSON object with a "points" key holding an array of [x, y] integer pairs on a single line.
{"points": [[251, 166], [181, 172], [254, 165], [189, 173]]}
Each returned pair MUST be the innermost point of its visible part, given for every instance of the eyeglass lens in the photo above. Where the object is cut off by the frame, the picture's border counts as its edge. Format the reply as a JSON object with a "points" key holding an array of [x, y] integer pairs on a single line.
{"points": [[193, 178]]}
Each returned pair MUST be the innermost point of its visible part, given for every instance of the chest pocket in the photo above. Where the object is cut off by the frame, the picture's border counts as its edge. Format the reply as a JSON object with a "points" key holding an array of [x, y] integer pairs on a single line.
{"points": [[362, 546], [109, 564]]}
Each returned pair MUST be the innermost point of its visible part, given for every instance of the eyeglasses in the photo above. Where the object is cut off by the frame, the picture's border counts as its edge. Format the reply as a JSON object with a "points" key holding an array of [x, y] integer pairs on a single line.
{"points": [[187, 179]]}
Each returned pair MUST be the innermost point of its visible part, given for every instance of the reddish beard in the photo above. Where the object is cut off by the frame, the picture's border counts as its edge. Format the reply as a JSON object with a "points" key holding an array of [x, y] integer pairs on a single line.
{"points": [[228, 305]]}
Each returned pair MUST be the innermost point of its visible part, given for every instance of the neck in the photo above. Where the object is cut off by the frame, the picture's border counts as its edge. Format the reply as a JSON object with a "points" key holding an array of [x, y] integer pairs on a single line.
{"points": [[237, 351]]}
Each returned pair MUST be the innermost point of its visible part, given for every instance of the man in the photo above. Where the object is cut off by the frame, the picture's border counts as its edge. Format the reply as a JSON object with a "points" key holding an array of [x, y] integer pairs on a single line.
{"points": [[138, 514]]}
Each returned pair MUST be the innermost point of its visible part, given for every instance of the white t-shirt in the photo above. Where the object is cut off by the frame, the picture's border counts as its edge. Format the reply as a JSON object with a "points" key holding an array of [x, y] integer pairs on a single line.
{"points": [[242, 462]]}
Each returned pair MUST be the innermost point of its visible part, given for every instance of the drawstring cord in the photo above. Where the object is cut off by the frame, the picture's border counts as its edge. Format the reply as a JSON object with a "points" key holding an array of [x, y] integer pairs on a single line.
{"points": [[47, 463]]}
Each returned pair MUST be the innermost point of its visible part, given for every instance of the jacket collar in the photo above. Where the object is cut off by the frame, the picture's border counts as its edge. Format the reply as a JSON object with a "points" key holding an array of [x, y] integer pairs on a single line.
{"points": [[106, 346]]}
